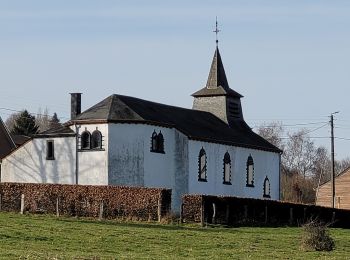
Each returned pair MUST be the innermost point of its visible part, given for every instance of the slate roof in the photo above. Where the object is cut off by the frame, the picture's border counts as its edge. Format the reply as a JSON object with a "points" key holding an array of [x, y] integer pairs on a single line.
{"points": [[197, 125], [6, 142], [61, 131], [217, 84], [20, 139]]}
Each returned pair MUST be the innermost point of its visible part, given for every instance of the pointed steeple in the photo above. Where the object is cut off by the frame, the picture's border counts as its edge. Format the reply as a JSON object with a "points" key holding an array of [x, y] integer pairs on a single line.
{"points": [[217, 75], [217, 84], [217, 97]]}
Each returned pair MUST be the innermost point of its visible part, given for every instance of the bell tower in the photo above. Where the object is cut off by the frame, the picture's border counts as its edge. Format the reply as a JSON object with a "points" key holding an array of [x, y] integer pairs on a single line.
{"points": [[217, 97]]}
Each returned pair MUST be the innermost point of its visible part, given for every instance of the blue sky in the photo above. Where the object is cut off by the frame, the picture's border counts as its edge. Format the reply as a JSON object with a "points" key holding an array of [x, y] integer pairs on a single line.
{"points": [[290, 59]]}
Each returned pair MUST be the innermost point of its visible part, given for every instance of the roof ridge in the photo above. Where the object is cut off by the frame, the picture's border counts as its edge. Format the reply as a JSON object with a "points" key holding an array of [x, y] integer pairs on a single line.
{"points": [[110, 105], [170, 106], [117, 96]]}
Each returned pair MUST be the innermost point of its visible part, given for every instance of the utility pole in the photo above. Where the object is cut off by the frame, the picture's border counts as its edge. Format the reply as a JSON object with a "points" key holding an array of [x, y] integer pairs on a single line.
{"points": [[332, 157]]}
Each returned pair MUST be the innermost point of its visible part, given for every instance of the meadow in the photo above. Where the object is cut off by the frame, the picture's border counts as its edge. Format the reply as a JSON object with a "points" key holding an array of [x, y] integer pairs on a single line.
{"points": [[49, 237]]}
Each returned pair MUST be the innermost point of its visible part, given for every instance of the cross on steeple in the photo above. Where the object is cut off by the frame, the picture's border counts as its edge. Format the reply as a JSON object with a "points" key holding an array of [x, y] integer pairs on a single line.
{"points": [[216, 31]]}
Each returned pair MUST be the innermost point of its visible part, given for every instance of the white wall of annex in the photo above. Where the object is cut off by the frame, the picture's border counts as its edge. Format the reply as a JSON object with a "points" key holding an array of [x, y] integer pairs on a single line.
{"points": [[265, 164], [132, 163], [29, 164], [93, 164]]}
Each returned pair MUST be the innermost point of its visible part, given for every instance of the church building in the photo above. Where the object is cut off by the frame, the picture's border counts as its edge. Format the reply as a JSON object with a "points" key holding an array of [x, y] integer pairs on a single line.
{"points": [[128, 141]]}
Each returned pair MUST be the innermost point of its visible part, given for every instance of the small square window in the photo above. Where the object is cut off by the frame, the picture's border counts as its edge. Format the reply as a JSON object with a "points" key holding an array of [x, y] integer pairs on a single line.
{"points": [[50, 151]]}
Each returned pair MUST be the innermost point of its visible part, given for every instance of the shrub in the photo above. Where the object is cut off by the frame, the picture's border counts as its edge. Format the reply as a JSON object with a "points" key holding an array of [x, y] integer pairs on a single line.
{"points": [[316, 237]]}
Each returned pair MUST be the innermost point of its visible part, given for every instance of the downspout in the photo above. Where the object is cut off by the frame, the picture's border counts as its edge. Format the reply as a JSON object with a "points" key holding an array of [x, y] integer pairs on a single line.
{"points": [[76, 154], [279, 177]]}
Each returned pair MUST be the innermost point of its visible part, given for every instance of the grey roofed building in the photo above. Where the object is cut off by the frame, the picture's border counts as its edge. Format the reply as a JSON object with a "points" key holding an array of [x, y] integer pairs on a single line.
{"points": [[197, 125], [218, 122], [125, 140]]}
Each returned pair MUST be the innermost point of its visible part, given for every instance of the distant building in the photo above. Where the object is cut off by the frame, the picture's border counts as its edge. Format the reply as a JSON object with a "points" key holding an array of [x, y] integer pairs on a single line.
{"points": [[342, 194], [129, 141]]}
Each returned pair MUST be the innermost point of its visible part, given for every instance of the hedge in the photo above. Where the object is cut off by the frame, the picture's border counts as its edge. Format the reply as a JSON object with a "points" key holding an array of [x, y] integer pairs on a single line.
{"points": [[86, 200]]}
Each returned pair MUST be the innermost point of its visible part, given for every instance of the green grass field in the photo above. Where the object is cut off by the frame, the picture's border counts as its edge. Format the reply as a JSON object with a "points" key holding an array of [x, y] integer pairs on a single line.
{"points": [[48, 237]]}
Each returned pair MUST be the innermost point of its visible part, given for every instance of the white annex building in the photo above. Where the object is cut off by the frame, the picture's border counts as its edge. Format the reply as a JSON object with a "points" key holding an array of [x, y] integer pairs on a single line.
{"points": [[123, 140]]}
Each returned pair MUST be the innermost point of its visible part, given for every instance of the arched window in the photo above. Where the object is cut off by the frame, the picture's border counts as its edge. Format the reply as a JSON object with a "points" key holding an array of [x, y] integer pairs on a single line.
{"points": [[266, 188], [160, 143], [202, 165], [154, 142], [96, 140], [250, 171], [157, 142], [227, 168], [85, 140]]}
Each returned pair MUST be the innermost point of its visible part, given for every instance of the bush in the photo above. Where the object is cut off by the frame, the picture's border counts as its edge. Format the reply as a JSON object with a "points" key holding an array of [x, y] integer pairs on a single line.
{"points": [[316, 237]]}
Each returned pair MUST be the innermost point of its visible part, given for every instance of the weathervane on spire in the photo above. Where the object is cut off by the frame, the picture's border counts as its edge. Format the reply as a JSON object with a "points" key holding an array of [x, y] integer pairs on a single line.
{"points": [[216, 30]]}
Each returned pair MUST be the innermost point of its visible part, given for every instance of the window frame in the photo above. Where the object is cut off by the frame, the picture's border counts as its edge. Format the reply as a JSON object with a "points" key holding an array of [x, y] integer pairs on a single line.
{"points": [[93, 139], [157, 142], [202, 169], [50, 150], [267, 194], [88, 134], [227, 161], [154, 141], [160, 142], [250, 162]]}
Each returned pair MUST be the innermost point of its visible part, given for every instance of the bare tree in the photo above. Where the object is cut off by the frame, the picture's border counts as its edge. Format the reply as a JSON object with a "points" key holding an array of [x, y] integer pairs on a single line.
{"points": [[322, 165], [299, 153], [11, 120], [43, 120], [302, 162], [273, 133]]}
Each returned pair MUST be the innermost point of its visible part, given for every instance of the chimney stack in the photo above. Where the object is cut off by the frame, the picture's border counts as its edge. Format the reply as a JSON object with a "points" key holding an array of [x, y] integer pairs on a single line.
{"points": [[75, 105]]}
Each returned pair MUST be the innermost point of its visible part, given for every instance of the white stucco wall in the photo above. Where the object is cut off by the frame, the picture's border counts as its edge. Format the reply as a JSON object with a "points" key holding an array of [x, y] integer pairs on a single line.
{"points": [[126, 159], [28, 163], [132, 163], [93, 164], [265, 164]]}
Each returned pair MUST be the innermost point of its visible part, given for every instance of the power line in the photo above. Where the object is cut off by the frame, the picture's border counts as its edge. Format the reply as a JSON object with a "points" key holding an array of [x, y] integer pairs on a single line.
{"points": [[311, 137], [342, 138], [291, 125], [35, 114], [316, 128]]}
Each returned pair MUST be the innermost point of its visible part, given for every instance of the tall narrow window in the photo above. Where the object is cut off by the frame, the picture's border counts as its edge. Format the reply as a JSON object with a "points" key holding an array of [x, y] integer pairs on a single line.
{"points": [[250, 171], [160, 143], [202, 165], [154, 142], [266, 188], [50, 150], [227, 168], [96, 140], [85, 140]]}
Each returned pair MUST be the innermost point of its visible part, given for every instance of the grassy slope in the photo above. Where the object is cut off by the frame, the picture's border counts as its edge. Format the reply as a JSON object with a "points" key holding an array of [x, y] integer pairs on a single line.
{"points": [[45, 237]]}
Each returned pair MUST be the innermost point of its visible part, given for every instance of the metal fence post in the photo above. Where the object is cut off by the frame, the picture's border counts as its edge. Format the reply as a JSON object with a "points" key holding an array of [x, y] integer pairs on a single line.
{"points": [[100, 217], [22, 203], [57, 207], [159, 210]]}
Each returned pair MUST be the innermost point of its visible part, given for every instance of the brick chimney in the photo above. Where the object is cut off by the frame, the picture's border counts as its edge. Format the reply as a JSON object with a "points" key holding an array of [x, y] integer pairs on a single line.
{"points": [[75, 105]]}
